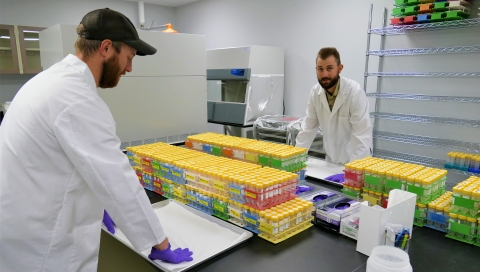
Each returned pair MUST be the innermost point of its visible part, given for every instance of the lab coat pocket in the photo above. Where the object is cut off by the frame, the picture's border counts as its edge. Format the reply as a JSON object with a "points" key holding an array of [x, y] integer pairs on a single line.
{"points": [[85, 248], [343, 131]]}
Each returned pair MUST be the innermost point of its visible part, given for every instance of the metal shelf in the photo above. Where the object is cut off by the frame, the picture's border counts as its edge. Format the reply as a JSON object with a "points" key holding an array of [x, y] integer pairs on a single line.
{"points": [[425, 97], [427, 141], [426, 51], [425, 74], [409, 158], [385, 154], [426, 119], [398, 30]]}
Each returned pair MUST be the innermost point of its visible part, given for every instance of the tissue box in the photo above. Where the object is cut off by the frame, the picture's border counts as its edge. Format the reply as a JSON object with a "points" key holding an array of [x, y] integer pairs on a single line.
{"points": [[330, 214], [349, 225]]}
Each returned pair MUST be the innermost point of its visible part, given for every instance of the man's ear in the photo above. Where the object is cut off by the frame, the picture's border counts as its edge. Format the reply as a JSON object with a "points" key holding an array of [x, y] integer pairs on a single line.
{"points": [[105, 47]]}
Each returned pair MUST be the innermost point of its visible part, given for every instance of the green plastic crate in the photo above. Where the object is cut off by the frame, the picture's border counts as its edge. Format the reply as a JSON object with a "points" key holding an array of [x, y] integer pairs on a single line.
{"points": [[216, 150], [220, 211], [456, 15], [440, 6], [437, 17], [462, 229], [372, 180], [393, 184], [462, 202], [264, 160], [413, 10], [398, 12]]}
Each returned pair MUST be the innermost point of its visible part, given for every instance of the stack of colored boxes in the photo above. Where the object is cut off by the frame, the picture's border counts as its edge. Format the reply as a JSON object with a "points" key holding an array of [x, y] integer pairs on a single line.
{"points": [[378, 177], [285, 220], [463, 161], [232, 190], [355, 174], [374, 183], [464, 212], [278, 156], [437, 212], [429, 11]]}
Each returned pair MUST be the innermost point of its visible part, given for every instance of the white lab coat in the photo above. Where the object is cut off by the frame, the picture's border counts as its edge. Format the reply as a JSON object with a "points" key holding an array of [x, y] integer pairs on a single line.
{"points": [[60, 166], [347, 129]]}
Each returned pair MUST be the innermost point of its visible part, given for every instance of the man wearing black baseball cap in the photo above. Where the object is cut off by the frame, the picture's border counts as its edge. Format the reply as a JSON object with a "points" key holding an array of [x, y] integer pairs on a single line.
{"points": [[61, 163]]}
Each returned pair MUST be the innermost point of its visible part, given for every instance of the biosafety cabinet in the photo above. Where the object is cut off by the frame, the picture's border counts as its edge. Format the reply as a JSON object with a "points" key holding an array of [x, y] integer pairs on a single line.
{"points": [[163, 99], [244, 83]]}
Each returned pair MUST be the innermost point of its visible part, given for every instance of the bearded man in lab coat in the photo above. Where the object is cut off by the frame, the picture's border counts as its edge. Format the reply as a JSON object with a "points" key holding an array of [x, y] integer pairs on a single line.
{"points": [[339, 107], [61, 163]]}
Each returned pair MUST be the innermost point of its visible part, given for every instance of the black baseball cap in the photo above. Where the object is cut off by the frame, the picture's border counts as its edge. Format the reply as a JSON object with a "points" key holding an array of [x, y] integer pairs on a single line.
{"points": [[102, 24]]}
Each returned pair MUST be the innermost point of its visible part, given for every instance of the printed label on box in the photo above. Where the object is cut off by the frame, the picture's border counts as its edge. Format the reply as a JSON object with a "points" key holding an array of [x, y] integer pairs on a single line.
{"points": [[155, 166], [235, 213], [177, 174], [203, 202], [265, 227], [235, 191], [177, 192], [166, 188], [192, 198], [164, 169], [218, 185], [250, 195], [251, 221], [137, 160], [218, 207], [204, 181], [189, 177]]}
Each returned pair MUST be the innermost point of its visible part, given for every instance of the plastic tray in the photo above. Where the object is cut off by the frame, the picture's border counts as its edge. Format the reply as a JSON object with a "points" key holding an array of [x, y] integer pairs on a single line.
{"points": [[220, 222]]}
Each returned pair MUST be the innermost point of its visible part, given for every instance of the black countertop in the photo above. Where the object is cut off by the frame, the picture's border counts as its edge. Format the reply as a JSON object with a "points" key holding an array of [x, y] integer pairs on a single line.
{"points": [[316, 249]]}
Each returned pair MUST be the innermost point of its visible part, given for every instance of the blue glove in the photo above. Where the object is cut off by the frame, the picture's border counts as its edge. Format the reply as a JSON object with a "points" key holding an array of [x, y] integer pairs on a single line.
{"points": [[339, 178], [107, 220], [175, 257]]}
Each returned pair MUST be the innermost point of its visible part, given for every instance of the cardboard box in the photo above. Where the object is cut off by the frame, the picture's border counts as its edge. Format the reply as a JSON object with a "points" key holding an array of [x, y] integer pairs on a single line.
{"points": [[330, 214], [349, 225]]}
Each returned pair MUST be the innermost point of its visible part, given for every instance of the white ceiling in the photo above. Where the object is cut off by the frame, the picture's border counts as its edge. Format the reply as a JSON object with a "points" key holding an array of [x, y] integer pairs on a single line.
{"points": [[168, 3]]}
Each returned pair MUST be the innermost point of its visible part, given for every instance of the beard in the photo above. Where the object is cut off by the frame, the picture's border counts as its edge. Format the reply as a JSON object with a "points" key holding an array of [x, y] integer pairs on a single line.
{"points": [[111, 73], [329, 84]]}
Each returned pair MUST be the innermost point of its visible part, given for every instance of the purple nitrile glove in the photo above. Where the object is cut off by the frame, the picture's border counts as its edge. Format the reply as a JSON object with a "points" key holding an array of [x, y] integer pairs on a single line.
{"points": [[175, 257], [339, 178], [107, 220], [303, 188]]}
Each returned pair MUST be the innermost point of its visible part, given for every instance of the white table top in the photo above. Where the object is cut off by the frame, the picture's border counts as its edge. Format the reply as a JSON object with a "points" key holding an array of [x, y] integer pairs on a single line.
{"points": [[320, 169]]}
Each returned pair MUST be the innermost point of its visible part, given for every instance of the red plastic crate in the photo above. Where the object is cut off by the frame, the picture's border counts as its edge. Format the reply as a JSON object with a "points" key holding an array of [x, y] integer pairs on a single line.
{"points": [[396, 21], [157, 185], [353, 176], [253, 199], [275, 201], [410, 20]]}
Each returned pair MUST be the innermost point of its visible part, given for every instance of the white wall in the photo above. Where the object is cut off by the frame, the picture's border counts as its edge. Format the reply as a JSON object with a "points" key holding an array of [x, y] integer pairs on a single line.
{"points": [[301, 27], [45, 13]]}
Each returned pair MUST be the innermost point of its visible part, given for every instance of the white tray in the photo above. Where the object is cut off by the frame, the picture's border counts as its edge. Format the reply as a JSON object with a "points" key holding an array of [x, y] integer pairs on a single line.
{"points": [[238, 230]]}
